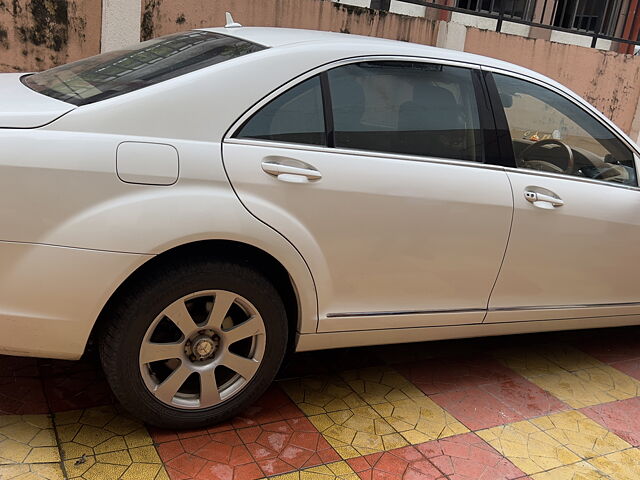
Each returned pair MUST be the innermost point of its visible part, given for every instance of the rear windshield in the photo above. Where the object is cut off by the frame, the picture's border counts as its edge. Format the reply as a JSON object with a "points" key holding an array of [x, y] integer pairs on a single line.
{"points": [[114, 73]]}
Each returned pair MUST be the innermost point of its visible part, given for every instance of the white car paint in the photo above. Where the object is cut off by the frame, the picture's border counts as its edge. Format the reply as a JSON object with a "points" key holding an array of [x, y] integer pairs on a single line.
{"points": [[21, 107], [71, 231]]}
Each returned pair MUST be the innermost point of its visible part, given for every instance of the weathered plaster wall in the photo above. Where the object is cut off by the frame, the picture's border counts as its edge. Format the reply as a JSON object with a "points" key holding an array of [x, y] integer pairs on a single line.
{"points": [[160, 17], [38, 34], [608, 80]]}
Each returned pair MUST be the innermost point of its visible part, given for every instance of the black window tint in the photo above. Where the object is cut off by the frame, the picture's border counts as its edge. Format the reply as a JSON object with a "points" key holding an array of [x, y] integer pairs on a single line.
{"points": [[551, 133], [295, 116], [114, 73], [406, 107]]}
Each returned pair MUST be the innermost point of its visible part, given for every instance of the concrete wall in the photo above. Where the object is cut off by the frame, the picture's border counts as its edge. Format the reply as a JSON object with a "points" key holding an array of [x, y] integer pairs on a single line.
{"points": [[38, 34], [160, 17]]}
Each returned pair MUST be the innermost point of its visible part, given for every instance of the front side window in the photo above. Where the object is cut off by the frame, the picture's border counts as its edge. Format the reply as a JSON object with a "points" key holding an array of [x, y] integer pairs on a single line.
{"points": [[296, 116], [408, 108], [550, 133], [114, 73]]}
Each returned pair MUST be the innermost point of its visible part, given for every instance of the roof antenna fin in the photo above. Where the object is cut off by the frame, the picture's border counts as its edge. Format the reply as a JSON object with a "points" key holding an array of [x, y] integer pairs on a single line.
{"points": [[230, 22]]}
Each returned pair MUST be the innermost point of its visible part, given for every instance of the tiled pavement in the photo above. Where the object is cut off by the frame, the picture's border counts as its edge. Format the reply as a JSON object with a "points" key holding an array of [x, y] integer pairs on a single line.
{"points": [[543, 407]]}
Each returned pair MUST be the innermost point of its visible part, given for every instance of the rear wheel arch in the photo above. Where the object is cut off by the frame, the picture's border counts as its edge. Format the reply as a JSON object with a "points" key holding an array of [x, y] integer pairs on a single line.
{"points": [[232, 251]]}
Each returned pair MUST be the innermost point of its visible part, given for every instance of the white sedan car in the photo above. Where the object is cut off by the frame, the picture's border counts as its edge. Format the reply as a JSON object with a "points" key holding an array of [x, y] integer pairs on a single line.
{"points": [[201, 203]]}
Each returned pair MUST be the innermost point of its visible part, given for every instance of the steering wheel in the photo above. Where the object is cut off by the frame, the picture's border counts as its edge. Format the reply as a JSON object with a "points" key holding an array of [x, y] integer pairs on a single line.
{"points": [[544, 165]]}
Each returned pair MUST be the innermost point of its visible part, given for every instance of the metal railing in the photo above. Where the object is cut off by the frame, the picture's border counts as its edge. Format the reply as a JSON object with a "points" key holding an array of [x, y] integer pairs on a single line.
{"points": [[614, 20]]}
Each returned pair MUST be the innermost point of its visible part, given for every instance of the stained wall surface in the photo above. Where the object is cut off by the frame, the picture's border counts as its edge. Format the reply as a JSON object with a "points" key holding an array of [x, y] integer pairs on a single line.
{"points": [[38, 34]]}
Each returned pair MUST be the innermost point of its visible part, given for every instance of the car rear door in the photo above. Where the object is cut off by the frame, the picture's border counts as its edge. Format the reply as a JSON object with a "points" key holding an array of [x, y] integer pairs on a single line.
{"points": [[573, 249], [375, 171]]}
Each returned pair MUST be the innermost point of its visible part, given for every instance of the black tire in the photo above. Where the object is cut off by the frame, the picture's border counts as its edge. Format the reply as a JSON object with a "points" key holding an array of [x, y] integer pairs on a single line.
{"points": [[128, 321]]}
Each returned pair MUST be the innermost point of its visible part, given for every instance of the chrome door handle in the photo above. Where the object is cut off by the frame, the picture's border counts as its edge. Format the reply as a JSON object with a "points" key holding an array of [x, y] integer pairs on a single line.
{"points": [[542, 200], [289, 173]]}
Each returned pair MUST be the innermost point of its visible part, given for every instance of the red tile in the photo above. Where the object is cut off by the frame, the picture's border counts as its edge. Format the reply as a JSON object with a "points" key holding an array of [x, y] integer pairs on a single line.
{"points": [[18, 366], [186, 464], [630, 367], [405, 463], [170, 450], [160, 435], [176, 475], [476, 408], [441, 375], [249, 453], [525, 398], [81, 390], [273, 406], [468, 457], [22, 396], [621, 418]]}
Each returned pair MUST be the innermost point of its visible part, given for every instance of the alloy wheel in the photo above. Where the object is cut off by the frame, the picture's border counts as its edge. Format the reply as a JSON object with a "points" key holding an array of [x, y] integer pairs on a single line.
{"points": [[202, 349]]}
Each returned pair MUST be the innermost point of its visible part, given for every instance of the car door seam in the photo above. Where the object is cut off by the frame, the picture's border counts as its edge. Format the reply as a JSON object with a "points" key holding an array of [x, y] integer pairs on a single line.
{"points": [[506, 247]]}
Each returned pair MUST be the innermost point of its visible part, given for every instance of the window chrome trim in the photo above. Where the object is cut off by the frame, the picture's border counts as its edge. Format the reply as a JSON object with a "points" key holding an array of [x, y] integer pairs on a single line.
{"points": [[585, 107], [233, 130], [562, 176], [361, 153]]}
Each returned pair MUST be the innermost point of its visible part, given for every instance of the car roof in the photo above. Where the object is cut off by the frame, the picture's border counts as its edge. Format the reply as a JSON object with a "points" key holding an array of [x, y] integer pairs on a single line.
{"points": [[280, 37]]}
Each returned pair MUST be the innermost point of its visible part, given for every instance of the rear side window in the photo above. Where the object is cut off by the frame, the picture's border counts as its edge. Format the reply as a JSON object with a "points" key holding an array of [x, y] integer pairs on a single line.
{"points": [[115, 73], [409, 108], [296, 116]]}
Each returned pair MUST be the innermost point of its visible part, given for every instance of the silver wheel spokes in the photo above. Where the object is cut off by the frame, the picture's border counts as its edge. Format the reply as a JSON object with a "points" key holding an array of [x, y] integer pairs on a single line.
{"points": [[202, 349]]}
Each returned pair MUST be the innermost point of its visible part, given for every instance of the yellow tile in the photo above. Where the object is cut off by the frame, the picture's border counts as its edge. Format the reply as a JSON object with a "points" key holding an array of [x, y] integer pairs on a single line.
{"points": [[99, 430], [380, 384], [567, 357], [612, 381], [356, 432], [322, 394], [589, 387], [12, 451], [43, 455], [580, 434], [526, 361], [419, 420], [25, 471], [623, 465], [529, 448], [331, 471], [141, 463], [27, 438], [576, 471]]}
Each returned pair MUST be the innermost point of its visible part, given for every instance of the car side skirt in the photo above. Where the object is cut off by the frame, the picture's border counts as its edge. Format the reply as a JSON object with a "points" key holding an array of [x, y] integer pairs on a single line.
{"points": [[360, 338]]}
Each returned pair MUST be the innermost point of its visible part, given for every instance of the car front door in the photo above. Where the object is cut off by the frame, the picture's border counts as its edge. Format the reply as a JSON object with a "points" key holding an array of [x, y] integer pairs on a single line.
{"points": [[375, 172], [574, 245]]}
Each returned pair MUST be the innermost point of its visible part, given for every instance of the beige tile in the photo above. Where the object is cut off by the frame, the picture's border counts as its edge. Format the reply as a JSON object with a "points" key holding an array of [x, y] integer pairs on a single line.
{"points": [[99, 430], [623, 465], [592, 386], [322, 394], [575, 471], [528, 447], [380, 384], [142, 463], [27, 439], [580, 434], [36, 471]]}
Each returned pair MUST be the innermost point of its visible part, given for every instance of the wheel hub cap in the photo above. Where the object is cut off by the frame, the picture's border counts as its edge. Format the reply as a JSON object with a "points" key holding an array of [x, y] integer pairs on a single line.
{"points": [[204, 347]]}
